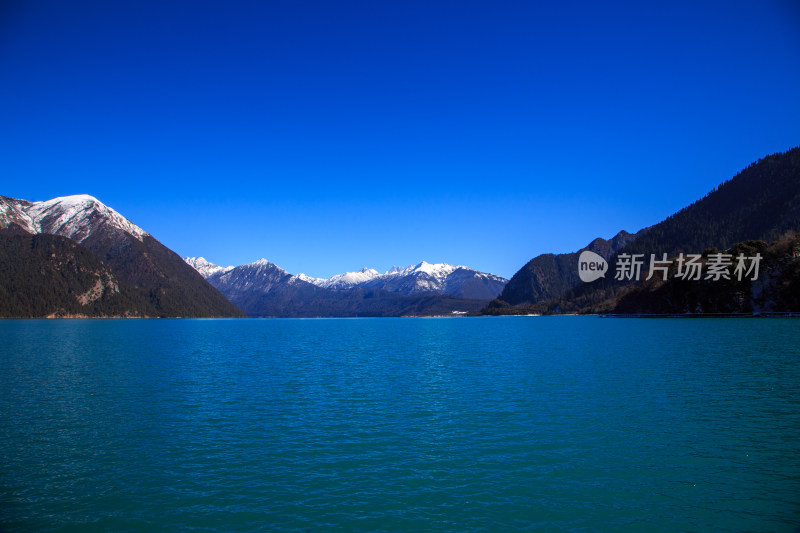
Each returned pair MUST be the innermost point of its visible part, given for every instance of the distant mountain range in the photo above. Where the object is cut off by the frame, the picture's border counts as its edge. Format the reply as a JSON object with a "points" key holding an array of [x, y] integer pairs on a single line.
{"points": [[264, 289], [760, 203], [75, 256], [441, 278]]}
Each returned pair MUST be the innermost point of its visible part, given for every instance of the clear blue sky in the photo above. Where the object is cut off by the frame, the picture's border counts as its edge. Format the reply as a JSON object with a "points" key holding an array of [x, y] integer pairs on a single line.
{"points": [[327, 136]]}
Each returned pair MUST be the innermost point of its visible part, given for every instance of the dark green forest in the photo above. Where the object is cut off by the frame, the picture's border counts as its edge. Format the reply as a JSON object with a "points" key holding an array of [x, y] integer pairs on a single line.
{"points": [[776, 288], [760, 203], [45, 275]]}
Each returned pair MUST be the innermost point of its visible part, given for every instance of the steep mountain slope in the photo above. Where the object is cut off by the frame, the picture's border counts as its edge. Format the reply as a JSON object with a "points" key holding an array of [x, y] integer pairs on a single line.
{"points": [[761, 202], [138, 261], [264, 289]]}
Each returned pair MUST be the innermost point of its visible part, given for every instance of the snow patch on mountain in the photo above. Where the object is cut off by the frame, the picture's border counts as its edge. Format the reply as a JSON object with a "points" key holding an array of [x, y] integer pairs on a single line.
{"points": [[344, 281], [12, 211], [309, 279], [437, 270]]}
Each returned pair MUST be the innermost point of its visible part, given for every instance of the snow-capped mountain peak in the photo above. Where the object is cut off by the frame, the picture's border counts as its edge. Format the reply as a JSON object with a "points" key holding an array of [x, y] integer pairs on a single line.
{"points": [[259, 276], [263, 265], [204, 267], [75, 217], [342, 281], [308, 279], [423, 277], [437, 270]]}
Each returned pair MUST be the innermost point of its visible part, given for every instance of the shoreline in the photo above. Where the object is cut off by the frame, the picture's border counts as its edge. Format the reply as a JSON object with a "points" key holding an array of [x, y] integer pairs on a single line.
{"points": [[787, 314]]}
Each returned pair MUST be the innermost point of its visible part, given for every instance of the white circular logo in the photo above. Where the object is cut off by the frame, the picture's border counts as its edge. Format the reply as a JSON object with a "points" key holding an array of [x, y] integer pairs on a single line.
{"points": [[591, 266]]}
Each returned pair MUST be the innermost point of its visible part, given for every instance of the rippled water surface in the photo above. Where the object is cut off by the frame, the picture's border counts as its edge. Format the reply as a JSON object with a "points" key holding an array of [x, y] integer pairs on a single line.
{"points": [[484, 424]]}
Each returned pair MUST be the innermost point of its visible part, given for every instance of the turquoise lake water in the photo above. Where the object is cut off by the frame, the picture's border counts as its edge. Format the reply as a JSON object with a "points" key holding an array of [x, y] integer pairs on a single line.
{"points": [[460, 424]]}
